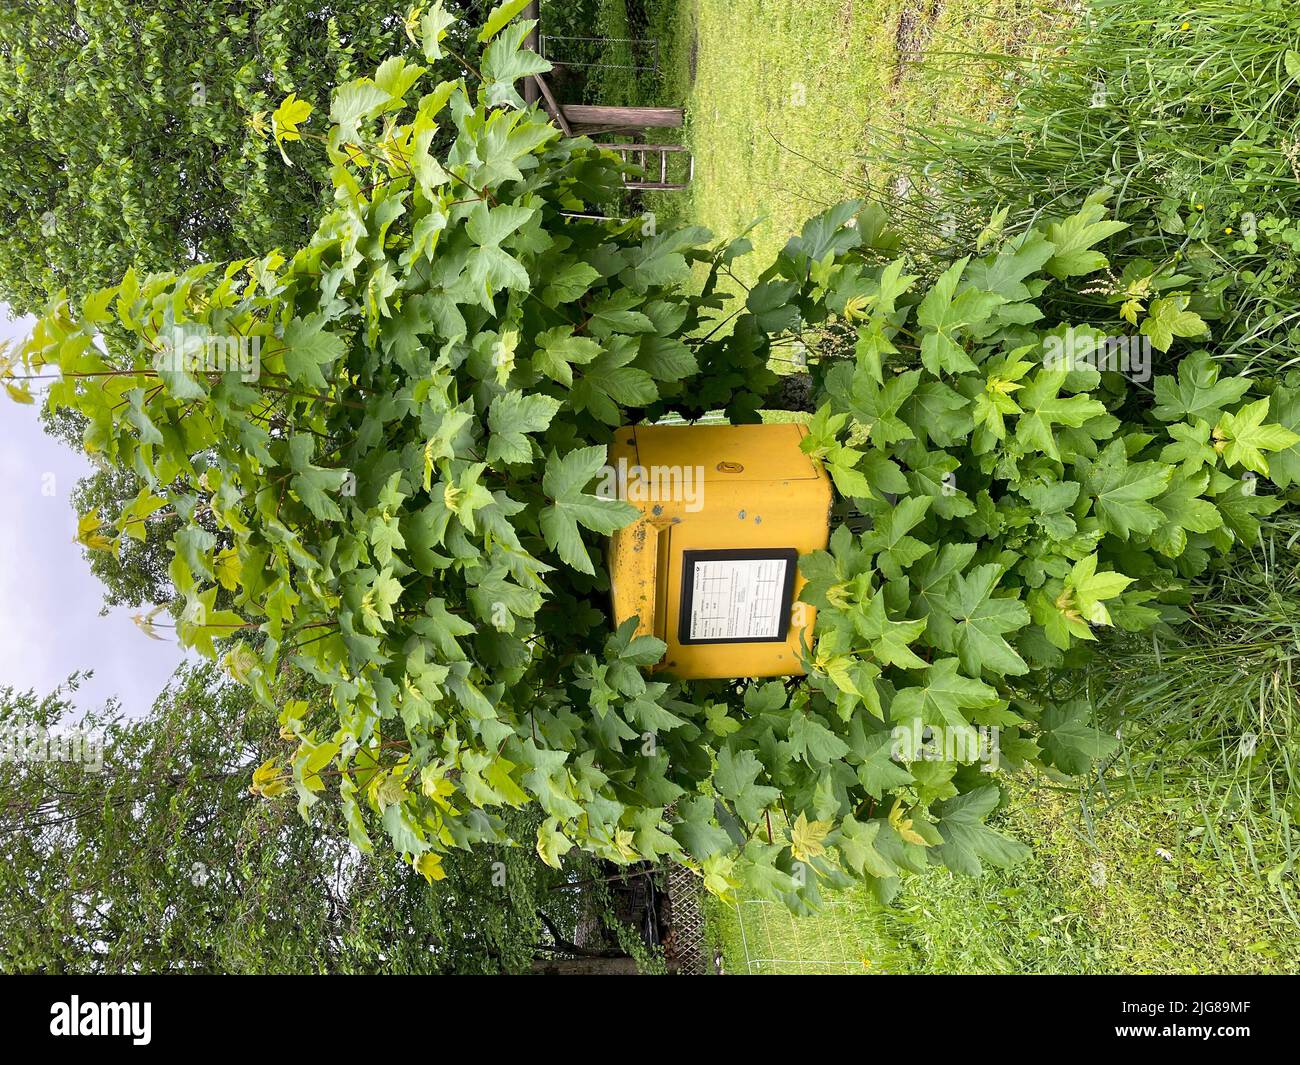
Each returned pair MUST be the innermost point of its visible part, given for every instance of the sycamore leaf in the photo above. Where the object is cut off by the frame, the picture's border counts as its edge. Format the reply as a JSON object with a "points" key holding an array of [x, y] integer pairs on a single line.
{"points": [[1074, 238], [433, 30], [903, 825], [1168, 318], [429, 866], [858, 846], [1069, 741], [982, 620], [944, 315], [563, 483], [1045, 408], [558, 351], [807, 838], [1244, 437], [500, 15], [506, 62], [889, 639], [286, 119], [512, 415], [1088, 588], [309, 349], [967, 841], [896, 549], [1284, 408], [736, 779], [1120, 490], [552, 844], [1197, 393], [1185, 511], [353, 103], [942, 696]]}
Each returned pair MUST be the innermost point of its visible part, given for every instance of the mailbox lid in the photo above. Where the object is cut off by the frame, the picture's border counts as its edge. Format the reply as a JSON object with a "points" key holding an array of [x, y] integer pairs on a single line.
{"points": [[728, 452]]}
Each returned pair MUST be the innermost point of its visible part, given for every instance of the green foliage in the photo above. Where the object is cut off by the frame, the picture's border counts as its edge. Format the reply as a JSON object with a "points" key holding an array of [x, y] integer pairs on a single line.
{"points": [[160, 860], [404, 487], [135, 133], [1187, 113]]}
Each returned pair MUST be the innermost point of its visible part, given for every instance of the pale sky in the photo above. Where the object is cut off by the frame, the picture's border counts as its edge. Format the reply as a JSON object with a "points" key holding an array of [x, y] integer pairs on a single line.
{"points": [[49, 600]]}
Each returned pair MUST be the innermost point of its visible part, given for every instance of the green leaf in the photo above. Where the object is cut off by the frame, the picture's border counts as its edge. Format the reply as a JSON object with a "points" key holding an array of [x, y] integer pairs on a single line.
{"points": [[1045, 408], [558, 351], [353, 103], [945, 315], [610, 383], [506, 62], [942, 696], [889, 639], [291, 113], [967, 841], [1074, 237], [1120, 490], [1089, 588], [511, 416], [735, 779], [1246, 437], [500, 15], [858, 846], [1185, 511], [1198, 393], [1070, 742], [308, 349], [569, 284], [982, 621], [896, 550], [433, 30], [1167, 318], [563, 482], [1284, 409]]}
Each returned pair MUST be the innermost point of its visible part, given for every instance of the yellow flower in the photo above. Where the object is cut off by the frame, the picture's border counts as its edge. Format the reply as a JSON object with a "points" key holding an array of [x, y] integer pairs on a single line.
{"points": [[1228, 230], [1185, 26]]}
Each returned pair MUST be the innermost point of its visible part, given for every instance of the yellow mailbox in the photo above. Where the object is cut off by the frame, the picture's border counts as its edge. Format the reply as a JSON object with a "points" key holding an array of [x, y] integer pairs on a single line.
{"points": [[710, 567]]}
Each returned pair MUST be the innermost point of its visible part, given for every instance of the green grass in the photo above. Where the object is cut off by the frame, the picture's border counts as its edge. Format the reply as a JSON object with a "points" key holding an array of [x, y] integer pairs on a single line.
{"points": [[1187, 112], [781, 98], [1140, 893]]}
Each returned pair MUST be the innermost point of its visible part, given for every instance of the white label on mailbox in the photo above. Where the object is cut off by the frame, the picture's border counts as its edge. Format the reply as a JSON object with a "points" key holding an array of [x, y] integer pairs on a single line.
{"points": [[737, 599]]}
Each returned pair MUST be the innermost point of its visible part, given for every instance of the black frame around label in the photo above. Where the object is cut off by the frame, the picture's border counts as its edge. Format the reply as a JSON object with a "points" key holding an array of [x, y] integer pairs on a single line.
{"points": [[758, 554]]}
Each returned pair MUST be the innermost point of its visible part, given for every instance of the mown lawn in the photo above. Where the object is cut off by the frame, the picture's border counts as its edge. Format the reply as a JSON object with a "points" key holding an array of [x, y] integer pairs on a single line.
{"points": [[782, 101], [1142, 892], [783, 97]]}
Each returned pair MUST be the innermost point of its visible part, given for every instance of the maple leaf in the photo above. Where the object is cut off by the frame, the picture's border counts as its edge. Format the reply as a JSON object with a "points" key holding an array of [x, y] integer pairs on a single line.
{"points": [[1244, 437], [807, 838], [942, 696], [1044, 407], [982, 620], [1120, 490]]}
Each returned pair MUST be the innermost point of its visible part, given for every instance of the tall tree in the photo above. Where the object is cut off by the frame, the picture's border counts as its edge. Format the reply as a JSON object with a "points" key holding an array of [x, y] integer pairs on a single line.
{"points": [[162, 860], [129, 130]]}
